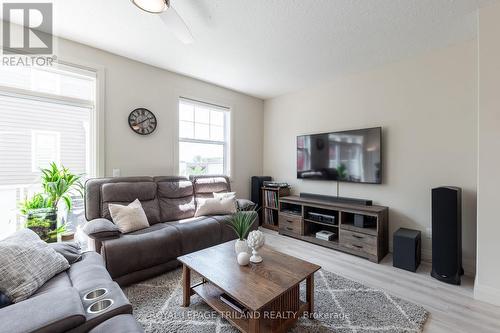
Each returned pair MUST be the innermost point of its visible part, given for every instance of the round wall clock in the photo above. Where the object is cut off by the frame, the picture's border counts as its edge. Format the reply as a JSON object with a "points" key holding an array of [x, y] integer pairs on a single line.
{"points": [[142, 121]]}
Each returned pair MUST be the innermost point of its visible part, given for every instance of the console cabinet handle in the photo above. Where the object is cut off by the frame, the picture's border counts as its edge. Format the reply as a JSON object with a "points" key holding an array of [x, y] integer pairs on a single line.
{"points": [[289, 221], [288, 228], [358, 246], [358, 237]]}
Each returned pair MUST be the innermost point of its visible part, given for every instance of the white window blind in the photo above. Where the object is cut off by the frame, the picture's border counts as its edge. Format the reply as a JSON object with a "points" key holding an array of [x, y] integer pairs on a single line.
{"points": [[203, 138], [46, 115], [45, 148]]}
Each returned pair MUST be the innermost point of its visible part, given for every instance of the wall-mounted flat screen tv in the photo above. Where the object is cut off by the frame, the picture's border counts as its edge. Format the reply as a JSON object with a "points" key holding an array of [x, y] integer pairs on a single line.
{"points": [[347, 156]]}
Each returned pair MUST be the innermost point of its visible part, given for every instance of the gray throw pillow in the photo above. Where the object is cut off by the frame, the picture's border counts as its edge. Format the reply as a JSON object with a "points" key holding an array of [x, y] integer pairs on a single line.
{"points": [[4, 300], [26, 263], [69, 250], [101, 229], [245, 205]]}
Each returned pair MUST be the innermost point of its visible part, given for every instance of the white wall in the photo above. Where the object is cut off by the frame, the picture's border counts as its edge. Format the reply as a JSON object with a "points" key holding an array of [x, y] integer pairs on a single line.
{"points": [[130, 84], [427, 108], [487, 286]]}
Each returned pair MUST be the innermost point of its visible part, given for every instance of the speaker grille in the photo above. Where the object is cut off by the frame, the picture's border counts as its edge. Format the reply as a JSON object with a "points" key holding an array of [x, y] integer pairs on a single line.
{"points": [[446, 234]]}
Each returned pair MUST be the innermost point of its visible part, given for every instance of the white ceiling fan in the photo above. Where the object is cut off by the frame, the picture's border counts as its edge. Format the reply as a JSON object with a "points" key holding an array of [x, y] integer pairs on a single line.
{"points": [[169, 16]]}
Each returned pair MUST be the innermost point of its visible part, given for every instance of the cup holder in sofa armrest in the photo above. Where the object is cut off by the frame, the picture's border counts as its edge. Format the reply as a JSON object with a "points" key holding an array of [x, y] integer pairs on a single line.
{"points": [[95, 294], [108, 305], [100, 306]]}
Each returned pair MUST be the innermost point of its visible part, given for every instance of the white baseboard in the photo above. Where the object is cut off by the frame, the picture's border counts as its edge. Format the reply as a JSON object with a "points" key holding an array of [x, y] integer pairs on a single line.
{"points": [[486, 294]]}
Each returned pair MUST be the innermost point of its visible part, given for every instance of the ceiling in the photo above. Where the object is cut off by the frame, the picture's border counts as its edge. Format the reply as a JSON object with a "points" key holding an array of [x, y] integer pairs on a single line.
{"points": [[267, 48]]}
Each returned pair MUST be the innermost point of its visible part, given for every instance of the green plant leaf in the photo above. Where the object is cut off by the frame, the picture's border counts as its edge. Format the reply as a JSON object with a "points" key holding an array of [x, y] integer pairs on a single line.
{"points": [[58, 183], [67, 200], [241, 222]]}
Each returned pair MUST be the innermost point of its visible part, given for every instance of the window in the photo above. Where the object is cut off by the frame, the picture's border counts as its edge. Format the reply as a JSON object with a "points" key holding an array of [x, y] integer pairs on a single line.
{"points": [[45, 149], [203, 138], [47, 115]]}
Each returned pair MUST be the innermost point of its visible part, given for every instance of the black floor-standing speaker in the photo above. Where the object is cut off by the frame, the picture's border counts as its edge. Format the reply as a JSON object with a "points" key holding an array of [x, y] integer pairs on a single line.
{"points": [[257, 182], [447, 234]]}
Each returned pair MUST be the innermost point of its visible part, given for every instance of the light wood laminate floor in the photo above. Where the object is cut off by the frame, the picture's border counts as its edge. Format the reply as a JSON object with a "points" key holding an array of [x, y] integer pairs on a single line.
{"points": [[452, 308]]}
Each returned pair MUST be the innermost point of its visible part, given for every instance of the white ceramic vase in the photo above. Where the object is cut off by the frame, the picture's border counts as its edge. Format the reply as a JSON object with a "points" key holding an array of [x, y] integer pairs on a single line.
{"points": [[240, 246]]}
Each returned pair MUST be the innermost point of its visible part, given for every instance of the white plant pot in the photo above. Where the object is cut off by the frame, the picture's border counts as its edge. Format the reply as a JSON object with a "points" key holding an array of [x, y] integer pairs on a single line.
{"points": [[240, 246]]}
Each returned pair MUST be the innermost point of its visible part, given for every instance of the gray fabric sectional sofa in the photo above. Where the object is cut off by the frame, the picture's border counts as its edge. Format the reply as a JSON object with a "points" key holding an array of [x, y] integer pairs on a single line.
{"points": [[60, 304], [170, 205]]}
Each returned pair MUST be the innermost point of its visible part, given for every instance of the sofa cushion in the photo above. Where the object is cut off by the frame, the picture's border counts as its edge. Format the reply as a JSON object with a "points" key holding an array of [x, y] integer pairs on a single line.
{"points": [[227, 233], [176, 198], [26, 263], [55, 312], [60, 281], [197, 234], [129, 218], [149, 247], [101, 229], [153, 228], [124, 193], [4, 300], [69, 250], [128, 192], [124, 323], [93, 199], [89, 272], [205, 186], [245, 204], [216, 206]]}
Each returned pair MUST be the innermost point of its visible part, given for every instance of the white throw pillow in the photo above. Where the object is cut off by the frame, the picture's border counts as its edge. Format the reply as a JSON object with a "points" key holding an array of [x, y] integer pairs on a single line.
{"points": [[225, 195], [216, 206], [129, 218]]}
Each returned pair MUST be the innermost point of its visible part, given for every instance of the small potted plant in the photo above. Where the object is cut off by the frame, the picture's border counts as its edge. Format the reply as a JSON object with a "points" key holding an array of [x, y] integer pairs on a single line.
{"points": [[241, 222], [41, 211], [40, 217], [58, 183]]}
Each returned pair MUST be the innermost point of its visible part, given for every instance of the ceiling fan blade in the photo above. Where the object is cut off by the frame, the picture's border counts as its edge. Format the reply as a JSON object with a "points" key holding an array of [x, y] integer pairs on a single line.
{"points": [[177, 25]]}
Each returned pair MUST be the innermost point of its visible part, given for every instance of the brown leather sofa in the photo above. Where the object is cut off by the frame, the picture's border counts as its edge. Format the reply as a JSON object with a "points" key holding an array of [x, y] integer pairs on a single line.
{"points": [[170, 204]]}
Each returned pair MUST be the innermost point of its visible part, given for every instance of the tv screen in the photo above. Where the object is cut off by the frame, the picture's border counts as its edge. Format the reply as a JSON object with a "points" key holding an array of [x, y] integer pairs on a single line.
{"points": [[348, 156]]}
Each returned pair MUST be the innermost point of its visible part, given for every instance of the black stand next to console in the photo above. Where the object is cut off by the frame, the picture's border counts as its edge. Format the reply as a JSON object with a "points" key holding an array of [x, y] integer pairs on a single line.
{"points": [[337, 199]]}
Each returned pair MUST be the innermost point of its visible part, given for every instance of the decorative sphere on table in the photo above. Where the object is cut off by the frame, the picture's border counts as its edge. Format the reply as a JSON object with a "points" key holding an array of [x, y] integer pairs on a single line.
{"points": [[243, 258], [255, 240]]}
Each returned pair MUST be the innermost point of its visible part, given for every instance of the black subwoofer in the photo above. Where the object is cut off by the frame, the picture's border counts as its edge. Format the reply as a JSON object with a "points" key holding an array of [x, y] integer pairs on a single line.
{"points": [[447, 234], [406, 249]]}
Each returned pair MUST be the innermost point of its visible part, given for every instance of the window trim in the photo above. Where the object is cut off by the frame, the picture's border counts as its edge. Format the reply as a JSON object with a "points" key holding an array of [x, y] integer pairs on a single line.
{"points": [[97, 117], [226, 143]]}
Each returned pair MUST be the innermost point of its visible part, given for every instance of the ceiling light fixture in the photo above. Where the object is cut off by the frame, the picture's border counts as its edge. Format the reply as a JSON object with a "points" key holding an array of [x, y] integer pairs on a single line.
{"points": [[152, 6]]}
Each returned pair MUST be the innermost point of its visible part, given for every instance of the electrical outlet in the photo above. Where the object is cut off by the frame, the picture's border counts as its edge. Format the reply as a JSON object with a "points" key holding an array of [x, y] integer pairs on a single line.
{"points": [[429, 232], [116, 172]]}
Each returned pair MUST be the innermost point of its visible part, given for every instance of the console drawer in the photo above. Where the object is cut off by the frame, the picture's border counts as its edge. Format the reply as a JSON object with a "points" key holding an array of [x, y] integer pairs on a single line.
{"points": [[358, 242], [290, 223]]}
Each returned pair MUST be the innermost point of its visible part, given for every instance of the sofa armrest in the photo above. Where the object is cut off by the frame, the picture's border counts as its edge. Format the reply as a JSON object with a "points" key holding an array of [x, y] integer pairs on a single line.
{"points": [[245, 204], [54, 312], [101, 229]]}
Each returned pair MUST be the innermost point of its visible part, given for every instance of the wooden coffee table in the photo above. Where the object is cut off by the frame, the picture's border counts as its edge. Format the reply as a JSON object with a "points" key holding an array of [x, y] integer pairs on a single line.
{"points": [[268, 290]]}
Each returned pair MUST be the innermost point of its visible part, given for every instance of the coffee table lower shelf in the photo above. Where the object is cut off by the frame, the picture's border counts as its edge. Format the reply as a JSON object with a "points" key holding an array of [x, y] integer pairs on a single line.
{"points": [[211, 295]]}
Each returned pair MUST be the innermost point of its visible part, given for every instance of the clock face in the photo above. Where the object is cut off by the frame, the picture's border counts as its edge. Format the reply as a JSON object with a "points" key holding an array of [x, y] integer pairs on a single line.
{"points": [[142, 121]]}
